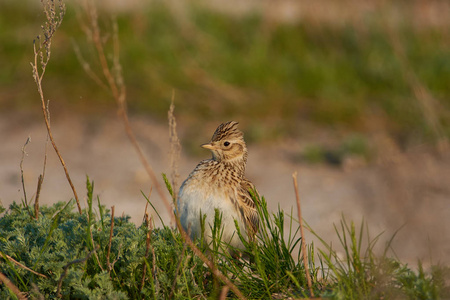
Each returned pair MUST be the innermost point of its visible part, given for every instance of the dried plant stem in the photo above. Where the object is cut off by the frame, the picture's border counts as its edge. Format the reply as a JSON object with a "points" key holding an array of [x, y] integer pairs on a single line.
{"points": [[47, 124], [223, 293], [24, 267], [41, 177], [21, 171], [38, 192], [111, 231], [175, 147], [41, 59], [303, 244], [148, 225], [12, 287]]}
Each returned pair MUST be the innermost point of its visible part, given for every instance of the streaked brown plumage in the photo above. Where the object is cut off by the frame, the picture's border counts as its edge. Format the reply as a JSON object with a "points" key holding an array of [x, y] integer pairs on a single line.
{"points": [[219, 183]]}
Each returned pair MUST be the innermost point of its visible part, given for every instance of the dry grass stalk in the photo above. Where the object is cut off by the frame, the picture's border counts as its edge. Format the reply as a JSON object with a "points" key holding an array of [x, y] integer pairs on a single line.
{"points": [[303, 244], [223, 293], [41, 177], [42, 53], [175, 147], [12, 287], [111, 231], [21, 171], [24, 267], [38, 192], [148, 224]]}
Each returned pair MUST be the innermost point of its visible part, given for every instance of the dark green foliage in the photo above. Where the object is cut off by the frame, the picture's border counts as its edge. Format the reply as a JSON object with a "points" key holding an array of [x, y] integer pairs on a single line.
{"points": [[61, 236]]}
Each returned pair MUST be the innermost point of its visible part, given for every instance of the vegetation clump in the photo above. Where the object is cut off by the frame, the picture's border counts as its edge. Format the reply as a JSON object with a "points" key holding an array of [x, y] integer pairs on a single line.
{"points": [[63, 254]]}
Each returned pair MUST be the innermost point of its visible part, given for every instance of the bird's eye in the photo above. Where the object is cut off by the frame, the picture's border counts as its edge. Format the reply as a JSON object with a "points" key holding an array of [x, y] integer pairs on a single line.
{"points": [[226, 144]]}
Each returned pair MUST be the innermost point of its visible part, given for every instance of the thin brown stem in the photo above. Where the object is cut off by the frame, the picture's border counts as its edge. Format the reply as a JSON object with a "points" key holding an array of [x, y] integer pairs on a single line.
{"points": [[12, 287], [49, 131], [147, 243], [303, 244], [21, 171], [38, 192], [111, 231], [148, 222], [87, 68], [175, 147], [24, 267], [41, 58], [41, 177], [223, 293]]}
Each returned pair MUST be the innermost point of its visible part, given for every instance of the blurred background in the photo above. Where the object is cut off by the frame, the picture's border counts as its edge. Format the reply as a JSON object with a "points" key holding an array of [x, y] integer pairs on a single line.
{"points": [[354, 95]]}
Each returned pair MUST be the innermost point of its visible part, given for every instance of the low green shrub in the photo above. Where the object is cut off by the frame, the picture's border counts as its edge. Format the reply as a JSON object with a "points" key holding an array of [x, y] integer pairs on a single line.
{"points": [[63, 254]]}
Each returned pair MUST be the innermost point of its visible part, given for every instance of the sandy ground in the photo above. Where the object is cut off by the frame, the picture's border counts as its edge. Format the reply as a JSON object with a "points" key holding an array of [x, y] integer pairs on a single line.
{"points": [[410, 190]]}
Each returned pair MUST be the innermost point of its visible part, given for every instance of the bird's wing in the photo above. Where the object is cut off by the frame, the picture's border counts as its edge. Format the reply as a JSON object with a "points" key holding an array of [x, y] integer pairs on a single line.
{"points": [[247, 207]]}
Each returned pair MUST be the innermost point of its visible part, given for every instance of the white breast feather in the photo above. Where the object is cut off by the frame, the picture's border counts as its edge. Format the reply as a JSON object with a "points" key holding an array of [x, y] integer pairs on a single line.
{"points": [[193, 201]]}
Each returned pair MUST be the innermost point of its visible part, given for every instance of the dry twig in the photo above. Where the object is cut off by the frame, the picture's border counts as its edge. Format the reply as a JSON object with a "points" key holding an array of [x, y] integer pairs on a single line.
{"points": [[303, 244], [41, 177], [38, 192], [175, 147], [148, 222], [21, 171], [111, 231], [147, 244], [223, 293], [42, 47], [12, 287], [23, 266]]}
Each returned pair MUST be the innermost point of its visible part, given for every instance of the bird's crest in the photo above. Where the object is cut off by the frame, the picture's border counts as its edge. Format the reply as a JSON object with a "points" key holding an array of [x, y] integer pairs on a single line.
{"points": [[227, 130]]}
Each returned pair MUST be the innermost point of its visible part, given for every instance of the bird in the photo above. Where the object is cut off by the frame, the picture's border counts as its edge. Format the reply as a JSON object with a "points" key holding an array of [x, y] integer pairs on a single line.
{"points": [[219, 183]]}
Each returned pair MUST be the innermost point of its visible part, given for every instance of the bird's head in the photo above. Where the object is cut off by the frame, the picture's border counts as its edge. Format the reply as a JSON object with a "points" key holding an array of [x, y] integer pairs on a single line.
{"points": [[227, 144]]}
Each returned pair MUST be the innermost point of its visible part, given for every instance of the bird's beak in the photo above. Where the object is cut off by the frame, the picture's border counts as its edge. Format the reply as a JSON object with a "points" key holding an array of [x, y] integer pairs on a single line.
{"points": [[209, 146]]}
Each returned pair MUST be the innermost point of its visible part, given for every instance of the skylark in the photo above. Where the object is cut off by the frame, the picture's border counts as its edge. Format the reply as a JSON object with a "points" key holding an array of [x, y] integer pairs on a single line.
{"points": [[219, 183]]}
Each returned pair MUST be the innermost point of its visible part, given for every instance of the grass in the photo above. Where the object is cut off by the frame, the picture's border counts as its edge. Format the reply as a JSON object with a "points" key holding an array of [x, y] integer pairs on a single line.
{"points": [[70, 254], [348, 77]]}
